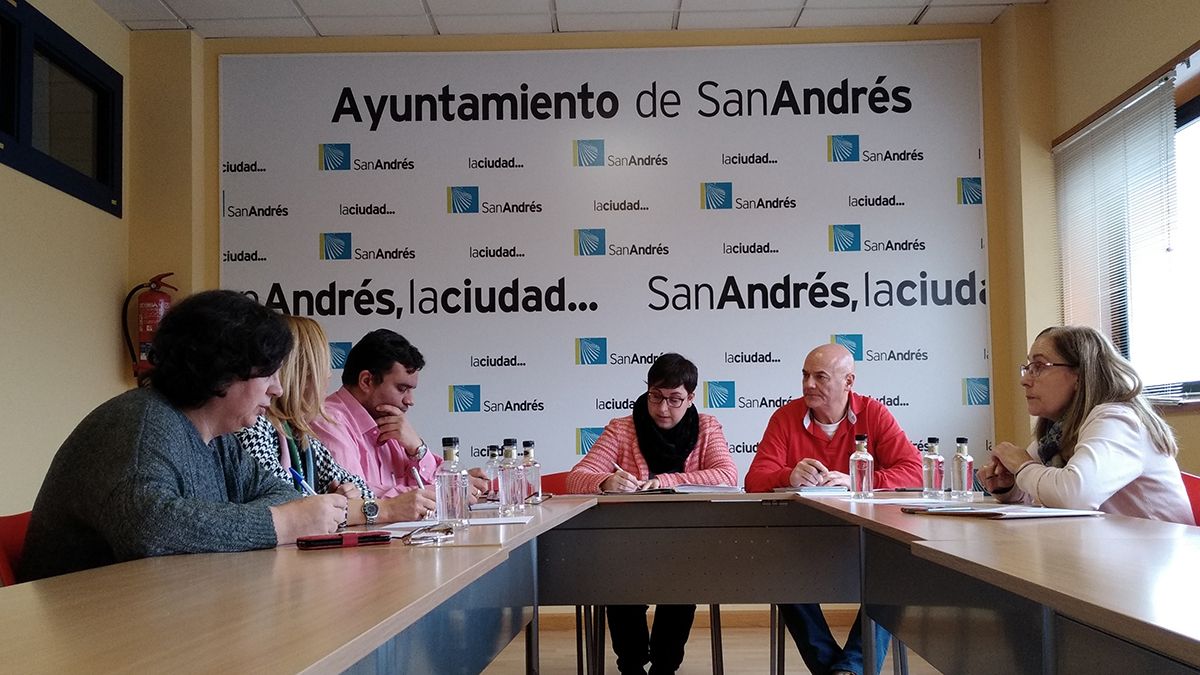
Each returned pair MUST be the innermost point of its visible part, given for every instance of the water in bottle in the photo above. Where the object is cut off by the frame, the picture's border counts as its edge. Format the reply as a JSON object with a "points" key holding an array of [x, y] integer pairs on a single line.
{"points": [[491, 471], [962, 476], [533, 474], [862, 469], [512, 481], [452, 485], [933, 469]]}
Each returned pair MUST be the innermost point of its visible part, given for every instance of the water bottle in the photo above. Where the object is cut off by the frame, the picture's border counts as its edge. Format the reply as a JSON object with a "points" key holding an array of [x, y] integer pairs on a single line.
{"points": [[491, 470], [533, 473], [933, 470], [452, 485], [862, 469], [512, 481], [962, 478]]}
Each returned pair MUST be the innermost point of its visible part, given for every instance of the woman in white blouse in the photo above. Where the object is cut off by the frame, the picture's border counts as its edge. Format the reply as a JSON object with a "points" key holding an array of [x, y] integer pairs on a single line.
{"points": [[1098, 444]]}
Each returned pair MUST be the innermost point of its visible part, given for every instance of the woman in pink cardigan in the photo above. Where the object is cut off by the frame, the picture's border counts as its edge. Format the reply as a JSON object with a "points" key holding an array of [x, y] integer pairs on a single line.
{"points": [[664, 443]]}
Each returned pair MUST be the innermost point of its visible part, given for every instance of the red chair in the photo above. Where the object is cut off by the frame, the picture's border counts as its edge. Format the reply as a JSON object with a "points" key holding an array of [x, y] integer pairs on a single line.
{"points": [[555, 483], [12, 542], [1191, 483]]}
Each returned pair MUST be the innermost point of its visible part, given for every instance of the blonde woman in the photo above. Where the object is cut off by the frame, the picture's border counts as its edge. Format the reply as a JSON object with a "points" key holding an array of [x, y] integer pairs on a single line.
{"points": [[1098, 445], [283, 438]]}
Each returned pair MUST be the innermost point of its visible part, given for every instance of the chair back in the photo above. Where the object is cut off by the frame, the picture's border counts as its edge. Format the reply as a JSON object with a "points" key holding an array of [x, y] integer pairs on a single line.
{"points": [[1191, 483], [555, 483], [12, 542]]}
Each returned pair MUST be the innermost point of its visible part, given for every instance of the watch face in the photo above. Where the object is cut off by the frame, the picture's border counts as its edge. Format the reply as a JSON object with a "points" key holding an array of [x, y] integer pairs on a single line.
{"points": [[370, 509]]}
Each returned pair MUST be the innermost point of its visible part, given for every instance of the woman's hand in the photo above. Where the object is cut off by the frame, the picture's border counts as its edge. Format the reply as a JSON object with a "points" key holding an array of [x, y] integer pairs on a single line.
{"points": [[995, 477], [350, 490], [620, 481], [1010, 456]]}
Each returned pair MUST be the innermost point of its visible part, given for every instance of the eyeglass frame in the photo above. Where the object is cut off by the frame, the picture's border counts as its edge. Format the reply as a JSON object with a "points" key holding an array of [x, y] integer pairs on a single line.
{"points": [[674, 403], [1041, 366]]}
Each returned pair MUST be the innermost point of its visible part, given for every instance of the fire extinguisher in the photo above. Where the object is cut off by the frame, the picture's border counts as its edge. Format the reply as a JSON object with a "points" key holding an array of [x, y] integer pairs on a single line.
{"points": [[151, 306]]}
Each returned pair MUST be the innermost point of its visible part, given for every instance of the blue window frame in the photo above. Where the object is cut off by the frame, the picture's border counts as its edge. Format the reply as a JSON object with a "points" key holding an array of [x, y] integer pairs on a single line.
{"points": [[60, 109]]}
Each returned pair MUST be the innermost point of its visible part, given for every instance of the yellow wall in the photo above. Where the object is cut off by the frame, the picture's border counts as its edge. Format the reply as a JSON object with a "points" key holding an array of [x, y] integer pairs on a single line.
{"points": [[64, 265]]}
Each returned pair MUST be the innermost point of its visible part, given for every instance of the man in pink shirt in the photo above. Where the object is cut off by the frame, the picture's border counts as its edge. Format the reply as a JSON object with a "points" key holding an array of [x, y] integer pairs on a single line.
{"points": [[808, 442], [368, 431]]}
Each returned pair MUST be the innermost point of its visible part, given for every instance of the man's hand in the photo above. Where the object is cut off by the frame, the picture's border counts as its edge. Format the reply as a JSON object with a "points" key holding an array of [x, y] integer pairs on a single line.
{"points": [[412, 505], [479, 485], [350, 490], [394, 425], [837, 478], [809, 472], [318, 514]]}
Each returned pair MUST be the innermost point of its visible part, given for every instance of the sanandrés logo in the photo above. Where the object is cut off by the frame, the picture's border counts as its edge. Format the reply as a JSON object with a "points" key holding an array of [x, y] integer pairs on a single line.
{"points": [[333, 157], [585, 438], [338, 351], [970, 190], [845, 237], [465, 199], [252, 210], [468, 398], [716, 195], [336, 246], [976, 391], [589, 242], [719, 394], [851, 341], [589, 152], [591, 351], [465, 398], [841, 148]]}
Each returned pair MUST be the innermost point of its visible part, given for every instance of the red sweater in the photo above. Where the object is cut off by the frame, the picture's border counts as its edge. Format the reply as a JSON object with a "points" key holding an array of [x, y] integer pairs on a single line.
{"points": [[792, 435]]}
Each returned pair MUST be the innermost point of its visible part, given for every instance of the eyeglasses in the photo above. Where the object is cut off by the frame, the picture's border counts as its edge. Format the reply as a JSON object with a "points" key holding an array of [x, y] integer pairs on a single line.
{"points": [[672, 401], [1035, 368]]}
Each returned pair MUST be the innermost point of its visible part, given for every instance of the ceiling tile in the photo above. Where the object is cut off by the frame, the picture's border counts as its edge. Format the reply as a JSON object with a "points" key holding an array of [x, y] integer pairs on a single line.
{"points": [[372, 25], [489, 8], [362, 7], [606, 6], [135, 10], [862, 4], [218, 28], [896, 16], [632, 21], [481, 24], [738, 5], [156, 24], [778, 18], [231, 9], [971, 14]]}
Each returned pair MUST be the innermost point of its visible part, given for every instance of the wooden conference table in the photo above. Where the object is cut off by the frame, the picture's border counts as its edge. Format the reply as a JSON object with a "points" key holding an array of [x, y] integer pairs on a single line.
{"points": [[1090, 595]]}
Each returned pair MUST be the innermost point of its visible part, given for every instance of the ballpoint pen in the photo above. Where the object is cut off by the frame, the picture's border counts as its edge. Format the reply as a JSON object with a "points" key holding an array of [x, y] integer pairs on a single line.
{"points": [[304, 486], [417, 475]]}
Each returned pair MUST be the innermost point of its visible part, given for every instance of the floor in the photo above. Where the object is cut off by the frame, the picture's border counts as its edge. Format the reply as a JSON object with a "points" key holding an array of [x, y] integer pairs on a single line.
{"points": [[746, 648]]}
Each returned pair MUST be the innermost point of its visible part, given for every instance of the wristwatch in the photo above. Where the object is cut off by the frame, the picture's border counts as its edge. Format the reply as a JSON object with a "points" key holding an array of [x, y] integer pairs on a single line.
{"points": [[370, 510], [420, 454]]}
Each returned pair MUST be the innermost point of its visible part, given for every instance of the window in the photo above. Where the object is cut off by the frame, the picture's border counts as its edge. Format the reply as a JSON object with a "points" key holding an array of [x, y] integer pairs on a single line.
{"points": [[60, 109], [1129, 240]]}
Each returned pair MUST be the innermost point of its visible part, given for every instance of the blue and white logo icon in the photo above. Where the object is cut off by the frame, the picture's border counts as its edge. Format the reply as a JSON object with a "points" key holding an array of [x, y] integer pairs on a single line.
{"points": [[462, 199], [338, 351], [716, 195], [585, 438], [333, 157], [589, 242], [719, 394], [845, 237], [842, 148], [464, 398], [851, 341], [591, 351], [976, 391], [589, 152], [970, 190], [336, 246]]}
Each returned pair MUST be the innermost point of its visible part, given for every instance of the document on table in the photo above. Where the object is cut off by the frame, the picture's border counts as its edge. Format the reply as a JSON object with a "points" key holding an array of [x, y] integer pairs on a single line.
{"points": [[475, 520], [815, 490], [1007, 511], [682, 489]]}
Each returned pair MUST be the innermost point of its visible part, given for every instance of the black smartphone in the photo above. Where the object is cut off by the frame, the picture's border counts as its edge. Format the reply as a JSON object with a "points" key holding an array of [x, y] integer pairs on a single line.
{"points": [[343, 540]]}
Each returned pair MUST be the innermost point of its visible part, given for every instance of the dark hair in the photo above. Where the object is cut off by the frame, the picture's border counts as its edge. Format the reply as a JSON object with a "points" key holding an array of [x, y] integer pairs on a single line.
{"points": [[211, 339], [376, 352], [672, 370]]}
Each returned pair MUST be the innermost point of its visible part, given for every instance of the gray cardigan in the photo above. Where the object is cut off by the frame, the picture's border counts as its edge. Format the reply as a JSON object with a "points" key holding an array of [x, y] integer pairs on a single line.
{"points": [[135, 480]]}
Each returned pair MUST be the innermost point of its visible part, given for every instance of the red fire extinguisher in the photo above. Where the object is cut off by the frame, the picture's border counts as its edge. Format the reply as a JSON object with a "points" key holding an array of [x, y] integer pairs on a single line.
{"points": [[151, 306]]}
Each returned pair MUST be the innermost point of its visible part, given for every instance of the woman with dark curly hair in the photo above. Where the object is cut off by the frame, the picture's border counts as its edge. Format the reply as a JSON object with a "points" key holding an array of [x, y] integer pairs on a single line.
{"points": [[153, 471]]}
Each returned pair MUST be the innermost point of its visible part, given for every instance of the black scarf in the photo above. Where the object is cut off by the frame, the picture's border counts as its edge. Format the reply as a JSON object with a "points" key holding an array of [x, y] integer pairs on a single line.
{"points": [[1049, 446], [665, 450]]}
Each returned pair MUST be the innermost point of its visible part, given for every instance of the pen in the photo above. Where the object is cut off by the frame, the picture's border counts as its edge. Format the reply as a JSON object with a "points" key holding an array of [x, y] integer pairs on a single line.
{"points": [[417, 475], [304, 486], [618, 467]]}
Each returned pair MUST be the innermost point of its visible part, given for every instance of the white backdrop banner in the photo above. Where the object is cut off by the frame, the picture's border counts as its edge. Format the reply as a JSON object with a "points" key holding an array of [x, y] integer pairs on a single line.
{"points": [[542, 225]]}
